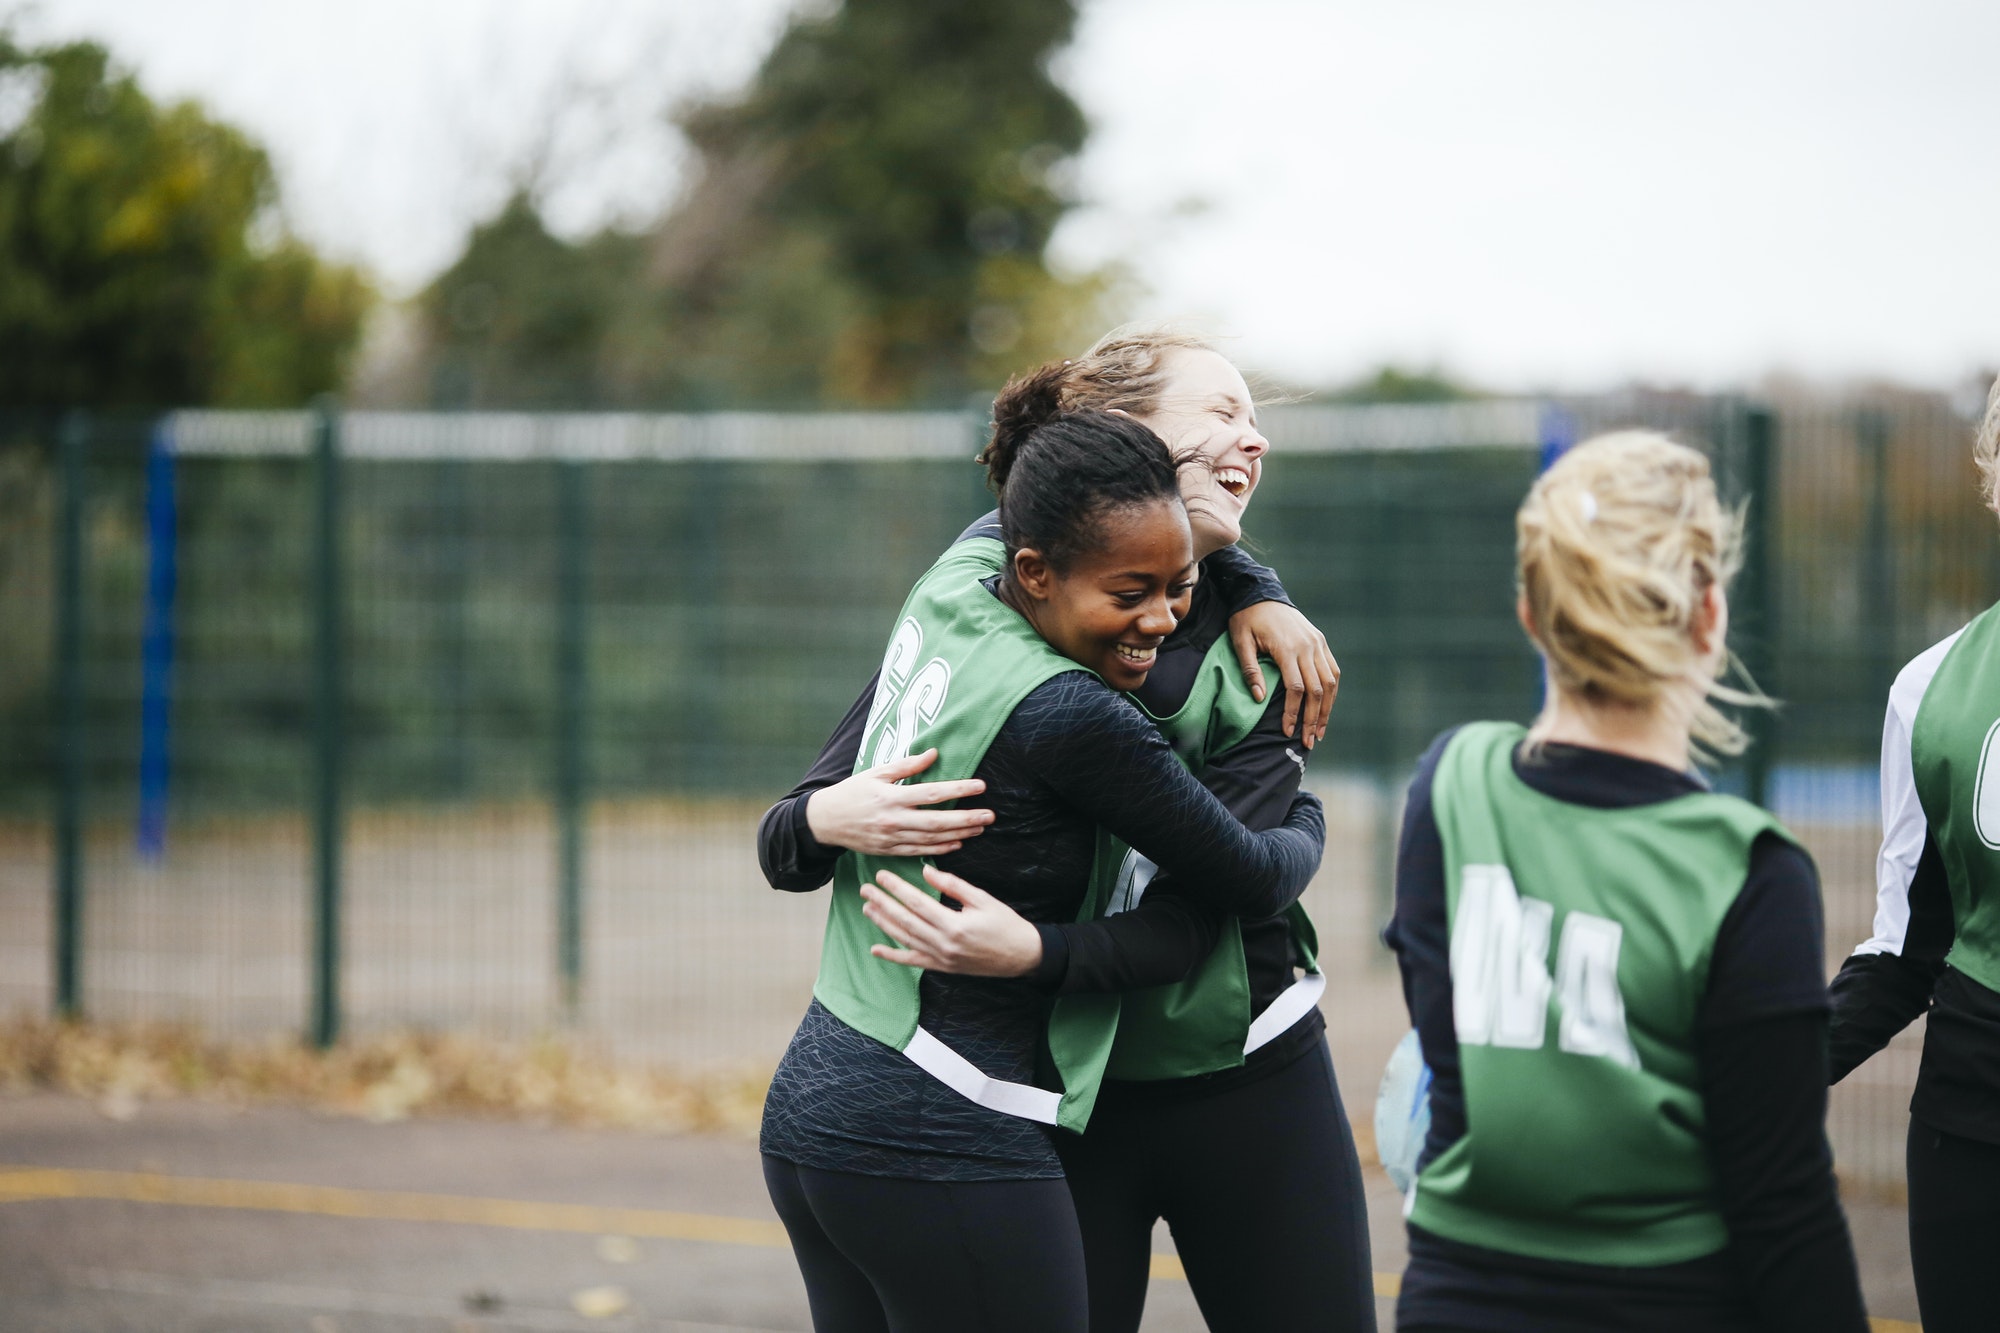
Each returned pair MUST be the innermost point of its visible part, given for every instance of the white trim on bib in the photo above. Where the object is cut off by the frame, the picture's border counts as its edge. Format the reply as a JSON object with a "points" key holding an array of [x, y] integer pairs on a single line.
{"points": [[1291, 1005], [959, 1074]]}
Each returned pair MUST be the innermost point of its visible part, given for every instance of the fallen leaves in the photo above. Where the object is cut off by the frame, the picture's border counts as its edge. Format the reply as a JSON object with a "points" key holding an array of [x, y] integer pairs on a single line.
{"points": [[384, 1078], [600, 1302]]}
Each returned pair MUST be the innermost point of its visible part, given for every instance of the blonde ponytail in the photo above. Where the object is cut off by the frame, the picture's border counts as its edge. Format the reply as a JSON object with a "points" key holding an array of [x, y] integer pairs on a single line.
{"points": [[1615, 549]]}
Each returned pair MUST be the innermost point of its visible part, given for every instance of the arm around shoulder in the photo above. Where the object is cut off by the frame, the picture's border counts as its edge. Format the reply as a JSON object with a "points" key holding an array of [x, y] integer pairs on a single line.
{"points": [[1108, 760], [1173, 928]]}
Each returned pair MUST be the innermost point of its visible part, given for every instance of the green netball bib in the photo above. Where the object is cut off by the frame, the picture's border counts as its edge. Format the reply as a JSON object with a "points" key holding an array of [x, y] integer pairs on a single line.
{"points": [[1204, 1022], [1580, 947], [1955, 752], [957, 666]]}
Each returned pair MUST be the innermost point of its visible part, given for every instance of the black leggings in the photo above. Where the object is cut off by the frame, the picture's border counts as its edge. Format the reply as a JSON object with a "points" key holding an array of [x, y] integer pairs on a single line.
{"points": [[884, 1255], [1954, 1229], [1261, 1185]]}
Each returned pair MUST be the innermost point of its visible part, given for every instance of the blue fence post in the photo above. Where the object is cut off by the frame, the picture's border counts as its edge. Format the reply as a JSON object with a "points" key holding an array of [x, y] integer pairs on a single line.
{"points": [[1557, 430], [157, 644]]}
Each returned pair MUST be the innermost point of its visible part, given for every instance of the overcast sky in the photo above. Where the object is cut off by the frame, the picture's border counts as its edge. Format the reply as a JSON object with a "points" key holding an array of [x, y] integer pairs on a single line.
{"points": [[1540, 193]]}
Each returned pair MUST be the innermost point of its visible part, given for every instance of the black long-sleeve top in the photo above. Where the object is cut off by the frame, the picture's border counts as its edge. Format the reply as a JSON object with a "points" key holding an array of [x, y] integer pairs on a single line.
{"points": [[1072, 757], [1877, 995], [1175, 928], [1761, 1051]]}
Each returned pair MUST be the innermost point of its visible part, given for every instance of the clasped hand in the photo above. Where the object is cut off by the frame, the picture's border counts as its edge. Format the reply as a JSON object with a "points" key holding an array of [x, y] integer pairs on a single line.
{"points": [[1305, 664], [983, 937], [873, 813]]}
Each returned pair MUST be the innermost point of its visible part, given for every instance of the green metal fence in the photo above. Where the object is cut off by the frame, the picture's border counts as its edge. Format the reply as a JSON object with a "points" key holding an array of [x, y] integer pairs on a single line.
{"points": [[316, 721]]}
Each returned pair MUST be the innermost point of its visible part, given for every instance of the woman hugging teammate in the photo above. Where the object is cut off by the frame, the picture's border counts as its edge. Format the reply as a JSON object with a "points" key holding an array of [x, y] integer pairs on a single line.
{"points": [[906, 1136]]}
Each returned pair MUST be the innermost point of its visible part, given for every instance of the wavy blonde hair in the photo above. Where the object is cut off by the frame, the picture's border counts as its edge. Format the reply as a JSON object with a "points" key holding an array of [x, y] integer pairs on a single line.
{"points": [[1123, 371], [1986, 449], [1615, 548]]}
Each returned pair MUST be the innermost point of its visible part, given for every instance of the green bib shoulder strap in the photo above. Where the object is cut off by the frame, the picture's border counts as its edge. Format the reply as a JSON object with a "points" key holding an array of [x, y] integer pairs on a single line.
{"points": [[1204, 1022]]}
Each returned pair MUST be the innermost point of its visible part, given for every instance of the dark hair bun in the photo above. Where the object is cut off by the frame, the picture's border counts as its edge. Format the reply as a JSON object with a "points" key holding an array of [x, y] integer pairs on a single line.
{"points": [[1029, 401]]}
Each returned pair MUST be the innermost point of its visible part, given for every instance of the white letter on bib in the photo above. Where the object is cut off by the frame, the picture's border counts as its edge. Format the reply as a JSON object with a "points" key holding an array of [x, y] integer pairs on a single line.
{"points": [[896, 666], [1499, 961], [1593, 1011], [1986, 792]]}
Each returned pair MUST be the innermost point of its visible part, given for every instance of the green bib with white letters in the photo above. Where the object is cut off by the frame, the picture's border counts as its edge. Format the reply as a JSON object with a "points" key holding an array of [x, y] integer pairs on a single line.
{"points": [[1580, 947], [959, 663], [1955, 753]]}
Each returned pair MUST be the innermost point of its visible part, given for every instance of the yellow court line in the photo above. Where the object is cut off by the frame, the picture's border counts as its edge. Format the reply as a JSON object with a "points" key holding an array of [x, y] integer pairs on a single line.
{"points": [[384, 1205], [23, 1184]]}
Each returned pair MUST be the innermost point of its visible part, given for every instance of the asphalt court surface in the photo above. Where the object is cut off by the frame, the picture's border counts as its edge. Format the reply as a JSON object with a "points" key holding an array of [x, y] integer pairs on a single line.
{"points": [[195, 1218]]}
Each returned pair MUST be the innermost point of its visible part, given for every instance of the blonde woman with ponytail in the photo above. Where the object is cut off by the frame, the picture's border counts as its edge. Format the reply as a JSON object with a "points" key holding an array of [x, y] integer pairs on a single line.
{"points": [[1615, 974]]}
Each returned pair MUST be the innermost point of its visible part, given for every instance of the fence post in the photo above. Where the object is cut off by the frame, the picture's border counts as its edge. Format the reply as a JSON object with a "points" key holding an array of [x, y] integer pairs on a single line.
{"points": [[156, 654], [455, 535], [1878, 596], [572, 717], [329, 707], [1388, 812], [1756, 602], [72, 445]]}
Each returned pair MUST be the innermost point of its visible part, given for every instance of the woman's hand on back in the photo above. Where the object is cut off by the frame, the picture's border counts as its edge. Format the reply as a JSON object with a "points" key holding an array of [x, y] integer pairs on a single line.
{"points": [[872, 813], [1305, 663], [983, 938]]}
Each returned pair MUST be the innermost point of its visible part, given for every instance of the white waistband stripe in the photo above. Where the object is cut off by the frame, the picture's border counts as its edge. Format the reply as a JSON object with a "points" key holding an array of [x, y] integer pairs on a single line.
{"points": [[1290, 1006], [959, 1074]]}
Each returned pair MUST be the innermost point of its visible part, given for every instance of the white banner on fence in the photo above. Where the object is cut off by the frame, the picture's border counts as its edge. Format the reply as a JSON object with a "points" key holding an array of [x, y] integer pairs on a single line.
{"points": [[796, 436], [1486, 423]]}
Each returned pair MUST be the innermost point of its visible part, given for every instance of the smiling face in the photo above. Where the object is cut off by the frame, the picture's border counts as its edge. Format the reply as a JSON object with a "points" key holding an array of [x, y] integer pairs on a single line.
{"points": [[1205, 407], [1112, 607]]}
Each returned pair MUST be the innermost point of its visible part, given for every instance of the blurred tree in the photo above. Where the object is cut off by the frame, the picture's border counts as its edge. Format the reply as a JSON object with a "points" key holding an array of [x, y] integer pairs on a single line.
{"points": [[520, 318], [142, 259], [866, 225], [1393, 384]]}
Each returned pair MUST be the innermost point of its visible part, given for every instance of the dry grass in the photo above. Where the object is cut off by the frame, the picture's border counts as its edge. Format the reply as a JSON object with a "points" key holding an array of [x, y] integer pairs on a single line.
{"points": [[381, 1078]]}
